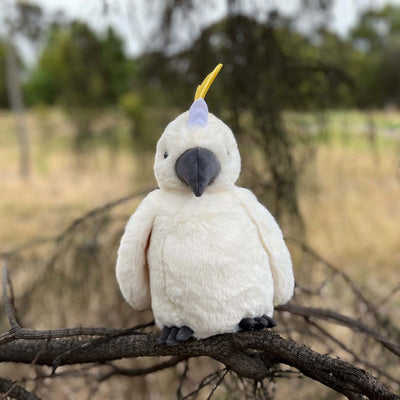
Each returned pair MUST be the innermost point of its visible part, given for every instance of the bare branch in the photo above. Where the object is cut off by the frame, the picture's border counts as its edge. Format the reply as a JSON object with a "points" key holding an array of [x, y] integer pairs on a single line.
{"points": [[182, 378], [344, 320], [391, 294], [373, 310], [32, 334], [100, 210], [216, 386], [140, 371], [13, 390], [9, 300], [18, 332], [206, 381], [230, 349], [252, 355], [352, 353], [129, 331], [75, 224]]}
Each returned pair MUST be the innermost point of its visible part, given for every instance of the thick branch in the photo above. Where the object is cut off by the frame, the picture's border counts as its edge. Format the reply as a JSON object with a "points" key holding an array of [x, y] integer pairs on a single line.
{"points": [[230, 349], [18, 332], [250, 354], [10, 389], [32, 334]]}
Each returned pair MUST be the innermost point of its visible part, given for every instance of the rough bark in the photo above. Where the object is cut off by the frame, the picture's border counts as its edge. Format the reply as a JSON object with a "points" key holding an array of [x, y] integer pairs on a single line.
{"points": [[12, 390], [232, 350]]}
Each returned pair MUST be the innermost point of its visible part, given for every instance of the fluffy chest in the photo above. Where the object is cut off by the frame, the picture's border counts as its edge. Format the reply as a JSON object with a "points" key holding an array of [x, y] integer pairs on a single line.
{"points": [[207, 251], [211, 231]]}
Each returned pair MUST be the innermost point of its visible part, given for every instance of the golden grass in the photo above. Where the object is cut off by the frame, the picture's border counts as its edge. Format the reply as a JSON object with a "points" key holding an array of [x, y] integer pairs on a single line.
{"points": [[349, 196], [60, 191], [350, 200], [44, 205]]}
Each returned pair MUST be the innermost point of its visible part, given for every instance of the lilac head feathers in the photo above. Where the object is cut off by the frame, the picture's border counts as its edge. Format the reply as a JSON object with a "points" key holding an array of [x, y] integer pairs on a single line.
{"points": [[198, 113]]}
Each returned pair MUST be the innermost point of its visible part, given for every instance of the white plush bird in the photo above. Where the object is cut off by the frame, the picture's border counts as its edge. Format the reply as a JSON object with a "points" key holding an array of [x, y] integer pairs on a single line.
{"points": [[202, 252]]}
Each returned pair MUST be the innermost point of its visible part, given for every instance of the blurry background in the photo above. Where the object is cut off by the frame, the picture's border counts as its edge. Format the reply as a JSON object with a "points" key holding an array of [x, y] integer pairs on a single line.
{"points": [[311, 89]]}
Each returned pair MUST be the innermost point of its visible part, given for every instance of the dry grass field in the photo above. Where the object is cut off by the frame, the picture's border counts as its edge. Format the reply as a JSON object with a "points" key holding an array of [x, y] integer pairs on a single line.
{"points": [[349, 198], [349, 195]]}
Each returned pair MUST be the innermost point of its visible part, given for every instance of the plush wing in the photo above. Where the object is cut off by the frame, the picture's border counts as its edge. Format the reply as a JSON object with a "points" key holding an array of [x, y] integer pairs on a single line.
{"points": [[132, 269], [272, 240]]}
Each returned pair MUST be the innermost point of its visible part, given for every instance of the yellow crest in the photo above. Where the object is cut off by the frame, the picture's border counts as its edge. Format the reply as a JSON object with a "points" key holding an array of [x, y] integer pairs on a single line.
{"points": [[205, 85]]}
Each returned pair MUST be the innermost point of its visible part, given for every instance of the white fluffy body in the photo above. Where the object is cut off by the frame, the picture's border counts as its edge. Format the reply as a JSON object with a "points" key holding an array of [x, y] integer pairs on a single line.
{"points": [[204, 262]]}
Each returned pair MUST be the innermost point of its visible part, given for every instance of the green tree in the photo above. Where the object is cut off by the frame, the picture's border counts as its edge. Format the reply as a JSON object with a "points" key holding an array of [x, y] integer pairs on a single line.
{"points": [[376, 42], [269, 68], [3, 84], [79, 68], [83, 72]]}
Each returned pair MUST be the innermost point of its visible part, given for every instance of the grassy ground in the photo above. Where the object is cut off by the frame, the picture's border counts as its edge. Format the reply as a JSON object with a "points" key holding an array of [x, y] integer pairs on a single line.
{"points": [[349, 198], [61, 187], [350, 202], [349, 195]]}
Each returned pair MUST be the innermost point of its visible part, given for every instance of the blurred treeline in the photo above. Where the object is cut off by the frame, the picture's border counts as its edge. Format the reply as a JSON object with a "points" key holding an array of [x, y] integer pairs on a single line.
{"points": [[79, 67]]}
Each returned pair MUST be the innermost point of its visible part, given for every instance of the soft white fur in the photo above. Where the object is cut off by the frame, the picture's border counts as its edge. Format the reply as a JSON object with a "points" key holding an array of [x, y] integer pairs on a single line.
{"points": [[208, 261]]}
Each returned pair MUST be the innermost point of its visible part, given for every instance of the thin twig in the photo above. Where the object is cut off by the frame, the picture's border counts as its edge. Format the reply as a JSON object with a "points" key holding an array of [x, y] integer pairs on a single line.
{"points": [[70, 373], [100, 210], [95, 342], [395, 290], [352, 353], [18, 332], [208, 380], [217, 385], [118, 371], [383, 321], [9, 300], [182, 378], [39, 353], [332, 316], [74, 224]]}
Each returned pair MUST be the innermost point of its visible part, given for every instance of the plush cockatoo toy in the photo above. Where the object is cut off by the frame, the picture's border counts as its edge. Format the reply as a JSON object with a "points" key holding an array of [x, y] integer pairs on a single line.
{"points": [[204, 254]]}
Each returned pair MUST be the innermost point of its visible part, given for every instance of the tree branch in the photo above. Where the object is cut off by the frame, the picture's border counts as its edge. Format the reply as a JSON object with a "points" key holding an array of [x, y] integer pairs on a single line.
{"points": [[373, 310], [353, 354], [115, 370], [9, 299], [230, 349], [341, 319], [95, 342], [249, 354], [18, 332], [75, 223], [10, 389]]}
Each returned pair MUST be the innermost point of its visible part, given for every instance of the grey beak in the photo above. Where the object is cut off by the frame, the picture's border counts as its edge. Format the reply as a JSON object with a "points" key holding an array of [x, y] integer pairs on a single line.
{"points": [[198, 168]]}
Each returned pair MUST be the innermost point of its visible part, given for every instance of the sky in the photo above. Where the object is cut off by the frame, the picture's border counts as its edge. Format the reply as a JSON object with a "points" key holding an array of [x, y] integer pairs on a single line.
{"points": [[134, 19]]}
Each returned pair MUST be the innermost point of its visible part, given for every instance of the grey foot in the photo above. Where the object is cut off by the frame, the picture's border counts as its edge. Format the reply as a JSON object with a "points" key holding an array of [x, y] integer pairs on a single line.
{"points": [[174, 335], [255, 324]]}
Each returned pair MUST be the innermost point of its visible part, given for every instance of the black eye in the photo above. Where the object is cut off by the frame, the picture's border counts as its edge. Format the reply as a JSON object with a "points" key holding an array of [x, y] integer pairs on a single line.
{"points": [[165, 154]]}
